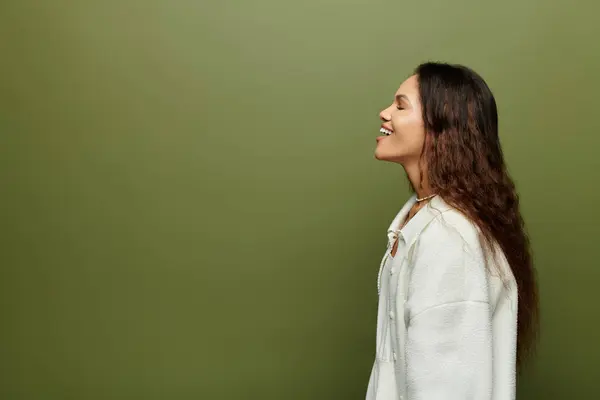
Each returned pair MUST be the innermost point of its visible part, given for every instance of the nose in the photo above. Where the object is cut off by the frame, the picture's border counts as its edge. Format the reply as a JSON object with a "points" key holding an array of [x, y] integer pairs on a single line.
{"points": [[384, 115]]}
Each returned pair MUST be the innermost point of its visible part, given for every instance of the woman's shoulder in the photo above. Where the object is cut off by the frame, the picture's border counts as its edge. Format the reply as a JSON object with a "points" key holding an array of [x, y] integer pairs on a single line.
{"points": [[451, 234], [451, 227]]}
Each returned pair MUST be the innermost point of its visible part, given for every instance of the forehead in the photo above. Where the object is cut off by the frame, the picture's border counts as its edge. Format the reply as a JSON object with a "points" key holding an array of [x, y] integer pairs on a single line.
{"points": [[410, 87]]}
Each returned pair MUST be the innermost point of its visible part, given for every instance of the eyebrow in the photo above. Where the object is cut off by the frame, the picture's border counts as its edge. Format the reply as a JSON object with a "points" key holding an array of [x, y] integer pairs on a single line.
{"points": [[399, 98]]}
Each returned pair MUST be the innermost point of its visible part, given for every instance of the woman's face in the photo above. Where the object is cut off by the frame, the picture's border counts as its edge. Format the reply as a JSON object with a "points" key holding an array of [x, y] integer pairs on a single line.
{"points": [[402, 130]]}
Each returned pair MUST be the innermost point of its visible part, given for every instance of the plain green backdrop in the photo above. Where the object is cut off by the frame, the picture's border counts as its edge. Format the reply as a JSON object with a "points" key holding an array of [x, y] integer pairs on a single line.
{"points": [[190, 207]]}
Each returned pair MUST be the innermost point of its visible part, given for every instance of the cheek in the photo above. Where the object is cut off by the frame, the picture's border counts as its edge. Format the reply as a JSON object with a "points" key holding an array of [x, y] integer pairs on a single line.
{"points": [[409, 129]]}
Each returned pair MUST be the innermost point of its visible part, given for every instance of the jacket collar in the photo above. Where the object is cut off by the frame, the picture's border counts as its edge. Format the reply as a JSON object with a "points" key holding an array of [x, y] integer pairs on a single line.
{"points": [[418, 222]]}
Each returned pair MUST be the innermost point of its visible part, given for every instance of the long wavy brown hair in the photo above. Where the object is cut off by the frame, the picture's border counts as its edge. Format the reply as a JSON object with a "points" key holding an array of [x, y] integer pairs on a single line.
{"points": [[465, 166]]}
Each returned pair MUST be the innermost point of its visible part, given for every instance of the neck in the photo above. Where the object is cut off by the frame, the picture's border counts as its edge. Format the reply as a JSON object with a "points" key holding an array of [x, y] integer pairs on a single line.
{"points": [[421, 187]]}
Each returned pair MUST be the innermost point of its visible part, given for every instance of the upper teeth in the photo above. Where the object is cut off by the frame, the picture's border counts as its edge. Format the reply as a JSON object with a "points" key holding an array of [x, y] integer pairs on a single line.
{"points": [[385, 131]]}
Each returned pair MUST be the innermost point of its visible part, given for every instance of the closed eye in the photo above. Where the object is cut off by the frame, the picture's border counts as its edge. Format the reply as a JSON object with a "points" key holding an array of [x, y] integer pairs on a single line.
{"points": [[400, 100]]}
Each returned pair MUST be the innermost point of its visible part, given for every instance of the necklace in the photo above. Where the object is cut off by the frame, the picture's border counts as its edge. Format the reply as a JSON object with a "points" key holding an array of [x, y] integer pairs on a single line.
{"points": [[426, 197]]}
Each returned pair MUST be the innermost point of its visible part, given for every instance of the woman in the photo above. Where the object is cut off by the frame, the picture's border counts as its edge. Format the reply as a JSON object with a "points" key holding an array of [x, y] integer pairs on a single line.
{"points": [[458, 256]]}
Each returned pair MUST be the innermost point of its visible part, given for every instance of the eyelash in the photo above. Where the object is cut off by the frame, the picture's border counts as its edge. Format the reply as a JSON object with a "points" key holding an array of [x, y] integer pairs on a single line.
{"points": [[400, 107]]}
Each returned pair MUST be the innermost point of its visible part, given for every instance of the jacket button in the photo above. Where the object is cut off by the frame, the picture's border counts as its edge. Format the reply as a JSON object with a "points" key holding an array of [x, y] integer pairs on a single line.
{"points": [[392, 270], [395, 356], [391, 314]]}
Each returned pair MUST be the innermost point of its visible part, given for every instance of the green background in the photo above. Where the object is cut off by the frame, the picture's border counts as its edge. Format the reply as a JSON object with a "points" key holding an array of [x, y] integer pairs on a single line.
{"points": [[190, 207]]}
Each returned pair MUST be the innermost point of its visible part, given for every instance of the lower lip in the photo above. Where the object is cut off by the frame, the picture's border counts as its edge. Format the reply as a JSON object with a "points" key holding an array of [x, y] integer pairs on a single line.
{"points": [[380, 138]]}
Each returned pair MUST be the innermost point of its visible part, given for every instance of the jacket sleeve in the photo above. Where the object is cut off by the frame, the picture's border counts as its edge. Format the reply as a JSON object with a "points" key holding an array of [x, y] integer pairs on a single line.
{"points": [[449, 333]]}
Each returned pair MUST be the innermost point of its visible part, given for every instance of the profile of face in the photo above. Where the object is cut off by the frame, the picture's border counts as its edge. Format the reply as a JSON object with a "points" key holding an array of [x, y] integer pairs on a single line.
{"points": [[402, 131]]}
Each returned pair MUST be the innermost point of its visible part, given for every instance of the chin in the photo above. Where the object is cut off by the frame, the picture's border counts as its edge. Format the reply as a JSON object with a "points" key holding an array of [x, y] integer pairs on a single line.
{"points": [[379, 155]]}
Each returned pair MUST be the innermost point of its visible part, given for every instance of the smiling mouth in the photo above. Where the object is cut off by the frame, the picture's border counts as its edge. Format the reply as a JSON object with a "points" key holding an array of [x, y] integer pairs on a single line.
{"points": [[385, 131]]}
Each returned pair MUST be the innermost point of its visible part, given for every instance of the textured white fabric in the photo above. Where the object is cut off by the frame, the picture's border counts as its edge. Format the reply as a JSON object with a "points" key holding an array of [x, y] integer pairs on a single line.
{"points": [[446, 324]]}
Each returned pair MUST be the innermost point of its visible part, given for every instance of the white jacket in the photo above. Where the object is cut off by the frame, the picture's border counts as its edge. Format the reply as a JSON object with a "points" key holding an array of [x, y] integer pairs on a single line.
{"points": [[447, 324]]}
